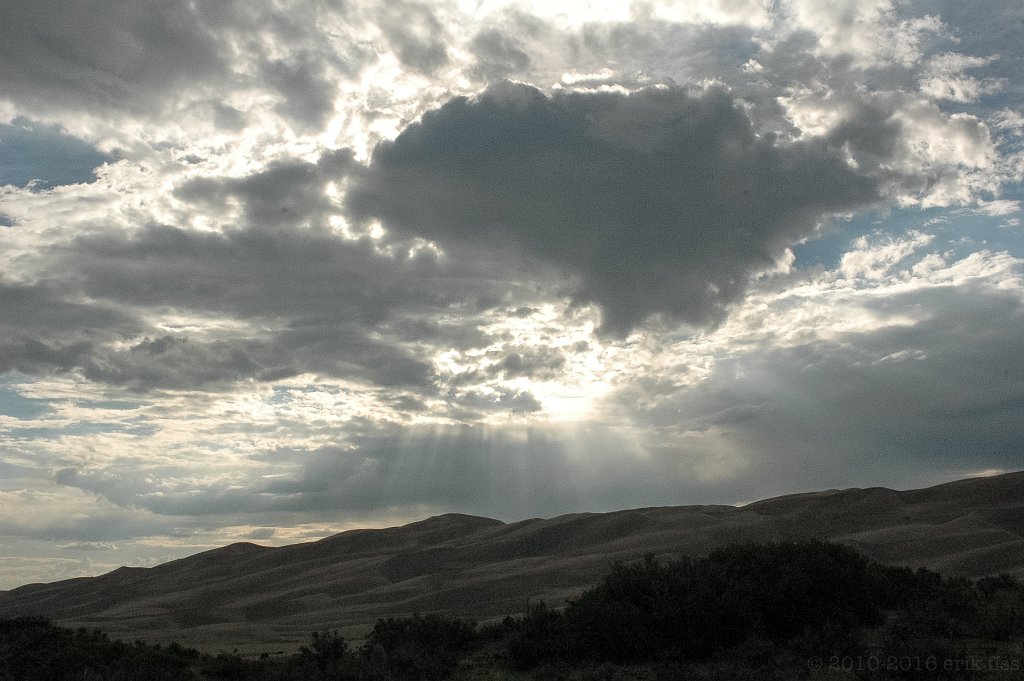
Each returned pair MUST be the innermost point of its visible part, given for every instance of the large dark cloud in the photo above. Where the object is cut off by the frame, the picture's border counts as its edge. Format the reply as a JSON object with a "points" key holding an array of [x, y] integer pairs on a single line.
{"points": [[657, 202]]}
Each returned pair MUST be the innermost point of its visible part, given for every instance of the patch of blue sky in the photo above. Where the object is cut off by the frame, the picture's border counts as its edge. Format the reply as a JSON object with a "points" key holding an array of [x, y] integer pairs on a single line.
{"points": [[280, 396], [141, 430], [984, 29], [18, 474], [960, 230], [13, 403], [827, 248], [6, 220], [39, 156], [966, 233]]}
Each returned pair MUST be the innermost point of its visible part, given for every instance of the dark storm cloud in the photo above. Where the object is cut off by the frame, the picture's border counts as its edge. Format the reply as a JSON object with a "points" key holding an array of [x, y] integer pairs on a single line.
{"points": [[43, 156], [171, 362], [348, 350], [458, 333], [43, 332], [659, 202], [41, 309]]}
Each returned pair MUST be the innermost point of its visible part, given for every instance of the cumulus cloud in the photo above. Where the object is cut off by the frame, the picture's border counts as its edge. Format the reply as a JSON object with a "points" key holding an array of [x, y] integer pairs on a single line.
{"points": [[919, 153], [944, 78], [659, 202], [869, 32]]}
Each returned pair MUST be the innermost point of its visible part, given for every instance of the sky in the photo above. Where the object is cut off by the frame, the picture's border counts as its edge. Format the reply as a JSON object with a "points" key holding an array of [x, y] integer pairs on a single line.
{"points": [[271, 269]]}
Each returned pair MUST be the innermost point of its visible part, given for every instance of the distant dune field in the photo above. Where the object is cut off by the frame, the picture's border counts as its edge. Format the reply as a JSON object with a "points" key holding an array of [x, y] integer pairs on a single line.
{"points": [[251, 597]]}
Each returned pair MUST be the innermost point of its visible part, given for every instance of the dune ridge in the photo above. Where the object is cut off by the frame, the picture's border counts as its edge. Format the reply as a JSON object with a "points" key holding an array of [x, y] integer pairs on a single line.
{"points": [[250, 597]]}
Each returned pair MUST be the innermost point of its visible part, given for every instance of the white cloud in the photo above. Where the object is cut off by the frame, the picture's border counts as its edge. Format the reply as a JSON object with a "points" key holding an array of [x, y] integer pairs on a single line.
{"points": [[999, 207], [868, 31], [876, 260], [944, 79], [751, 13]]}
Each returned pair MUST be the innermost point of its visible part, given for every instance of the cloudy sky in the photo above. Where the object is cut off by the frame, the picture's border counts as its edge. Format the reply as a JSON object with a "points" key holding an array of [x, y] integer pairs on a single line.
{"points": [[270, 270]]}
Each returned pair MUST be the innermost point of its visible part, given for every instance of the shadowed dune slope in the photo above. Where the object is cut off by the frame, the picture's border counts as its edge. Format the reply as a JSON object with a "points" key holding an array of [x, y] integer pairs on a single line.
{"points": [[260, 598]]}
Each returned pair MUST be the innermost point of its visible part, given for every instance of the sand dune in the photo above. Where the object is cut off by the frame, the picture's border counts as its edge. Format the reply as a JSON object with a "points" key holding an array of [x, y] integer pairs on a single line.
{"points": [[258, 598]]}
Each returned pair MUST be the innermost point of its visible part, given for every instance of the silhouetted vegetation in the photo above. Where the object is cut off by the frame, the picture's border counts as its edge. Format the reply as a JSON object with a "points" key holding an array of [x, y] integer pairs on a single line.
{"points": [[792, 610], [694, 609], [31, 648]]}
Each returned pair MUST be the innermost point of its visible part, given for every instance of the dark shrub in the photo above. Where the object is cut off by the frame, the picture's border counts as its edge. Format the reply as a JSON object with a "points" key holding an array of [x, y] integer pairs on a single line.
{"points": [[418, 647], [809, 594]]}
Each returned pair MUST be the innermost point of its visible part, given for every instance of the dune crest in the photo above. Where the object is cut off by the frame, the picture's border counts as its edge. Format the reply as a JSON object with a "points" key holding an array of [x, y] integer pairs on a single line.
{"points": [[253, 597]]}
